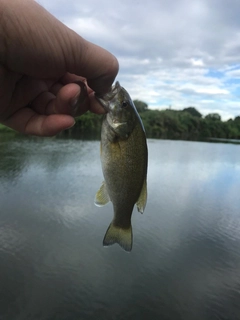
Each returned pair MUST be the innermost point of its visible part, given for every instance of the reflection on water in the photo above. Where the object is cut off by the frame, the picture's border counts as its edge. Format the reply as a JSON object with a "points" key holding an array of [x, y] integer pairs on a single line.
{"points": [[186, 253]]}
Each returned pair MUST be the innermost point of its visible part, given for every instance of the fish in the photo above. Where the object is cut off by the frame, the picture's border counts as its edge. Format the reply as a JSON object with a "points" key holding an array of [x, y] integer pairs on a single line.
{"points": [[124, 160]]}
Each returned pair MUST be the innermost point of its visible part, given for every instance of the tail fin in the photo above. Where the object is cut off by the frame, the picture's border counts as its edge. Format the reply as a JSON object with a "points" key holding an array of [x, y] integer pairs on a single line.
{"points": [[118, 235]]}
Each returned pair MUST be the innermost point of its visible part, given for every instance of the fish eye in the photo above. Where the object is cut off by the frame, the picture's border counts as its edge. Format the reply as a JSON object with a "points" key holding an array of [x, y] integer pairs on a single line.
{"points": [[124, 104]]}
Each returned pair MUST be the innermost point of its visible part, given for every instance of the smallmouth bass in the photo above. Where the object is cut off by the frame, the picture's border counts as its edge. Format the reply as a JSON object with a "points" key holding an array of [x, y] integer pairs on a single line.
{"points": [[124, 158]]}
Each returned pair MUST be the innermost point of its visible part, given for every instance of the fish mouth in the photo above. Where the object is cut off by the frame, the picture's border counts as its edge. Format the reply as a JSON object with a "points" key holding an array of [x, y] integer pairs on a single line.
{"points": [[115, 89], [106, 98]]}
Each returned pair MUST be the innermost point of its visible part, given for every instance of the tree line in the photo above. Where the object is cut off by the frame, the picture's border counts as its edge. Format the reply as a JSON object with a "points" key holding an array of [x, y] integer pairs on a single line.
{"points": [[186, 124]]}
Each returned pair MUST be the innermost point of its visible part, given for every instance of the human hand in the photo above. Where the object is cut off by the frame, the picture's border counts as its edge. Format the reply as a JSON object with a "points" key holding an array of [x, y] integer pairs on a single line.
{"points": [[48, 73]]}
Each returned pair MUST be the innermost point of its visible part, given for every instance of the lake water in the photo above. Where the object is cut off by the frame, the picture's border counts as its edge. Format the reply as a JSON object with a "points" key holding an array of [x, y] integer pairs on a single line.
{"points": [[185, 262]]}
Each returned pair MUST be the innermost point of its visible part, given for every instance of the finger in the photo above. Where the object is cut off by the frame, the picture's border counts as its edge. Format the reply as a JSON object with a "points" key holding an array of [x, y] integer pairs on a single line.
{"points": [[48, 125], [42, 103], [72, 78], [55, 88], [98, 65], [29, 122], [26, 90], [94, 105], [71, 99], [80, 103]]}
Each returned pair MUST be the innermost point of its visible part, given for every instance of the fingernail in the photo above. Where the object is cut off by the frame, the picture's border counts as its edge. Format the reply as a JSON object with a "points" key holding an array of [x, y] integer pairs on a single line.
{"points": [[71, 125], [75, 103], [78, 103]]}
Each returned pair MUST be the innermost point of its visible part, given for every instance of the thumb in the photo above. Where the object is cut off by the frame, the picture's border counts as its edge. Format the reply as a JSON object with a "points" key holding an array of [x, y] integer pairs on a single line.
{"points": [[94, 63], [35, 43]]}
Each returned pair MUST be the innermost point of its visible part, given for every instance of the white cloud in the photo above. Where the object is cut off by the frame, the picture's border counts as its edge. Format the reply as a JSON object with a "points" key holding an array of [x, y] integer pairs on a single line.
{"points": [[233, 74], [180, 53], [197, 62], [212, 91]]}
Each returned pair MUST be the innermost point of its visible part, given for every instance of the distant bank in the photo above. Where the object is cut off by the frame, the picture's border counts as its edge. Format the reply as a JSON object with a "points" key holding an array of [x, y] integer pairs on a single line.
{"points": [[187, 124]]}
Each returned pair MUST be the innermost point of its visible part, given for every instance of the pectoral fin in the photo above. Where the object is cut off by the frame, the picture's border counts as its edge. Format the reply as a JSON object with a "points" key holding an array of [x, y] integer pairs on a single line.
{"points": [[142, 200], [101, 197]]}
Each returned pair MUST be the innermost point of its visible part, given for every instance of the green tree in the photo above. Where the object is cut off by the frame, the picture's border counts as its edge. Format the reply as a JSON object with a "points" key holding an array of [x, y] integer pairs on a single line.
{"points": [[237, 118], [141, 106], [213, 116], [193, 111]]}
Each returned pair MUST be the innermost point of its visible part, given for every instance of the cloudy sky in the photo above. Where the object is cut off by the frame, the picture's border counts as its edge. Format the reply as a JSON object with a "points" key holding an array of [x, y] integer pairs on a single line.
{"points": [[171, 53]]}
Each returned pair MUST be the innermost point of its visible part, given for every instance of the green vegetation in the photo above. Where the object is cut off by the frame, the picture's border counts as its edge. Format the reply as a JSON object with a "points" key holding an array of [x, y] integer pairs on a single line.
{"points": [[186, 124]]}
